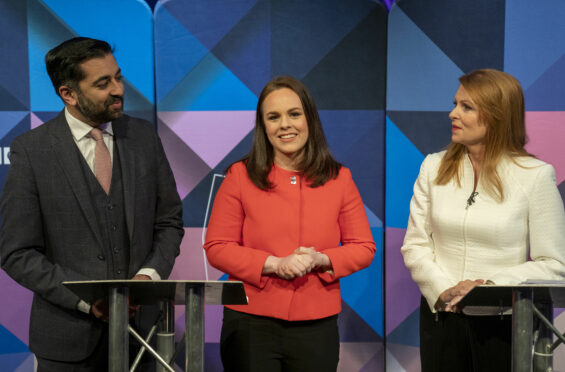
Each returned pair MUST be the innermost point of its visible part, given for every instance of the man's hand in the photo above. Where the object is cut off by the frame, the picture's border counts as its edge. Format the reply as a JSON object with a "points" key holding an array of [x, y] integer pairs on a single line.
{"points": [[100, 309], [141, 277]]}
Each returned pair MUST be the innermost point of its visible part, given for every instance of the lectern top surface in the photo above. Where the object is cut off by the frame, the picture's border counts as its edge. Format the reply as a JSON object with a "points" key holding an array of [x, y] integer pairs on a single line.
{"points": [[501, 295], [150, 291]]}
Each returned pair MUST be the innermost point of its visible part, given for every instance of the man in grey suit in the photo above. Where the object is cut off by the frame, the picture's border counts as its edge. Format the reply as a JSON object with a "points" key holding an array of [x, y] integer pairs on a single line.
{"points": [[89, 195]]}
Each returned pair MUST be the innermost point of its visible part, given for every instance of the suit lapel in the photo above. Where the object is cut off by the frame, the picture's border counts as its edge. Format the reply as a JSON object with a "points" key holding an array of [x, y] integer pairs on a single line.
{"points": [[63, 145], [127, 166]]}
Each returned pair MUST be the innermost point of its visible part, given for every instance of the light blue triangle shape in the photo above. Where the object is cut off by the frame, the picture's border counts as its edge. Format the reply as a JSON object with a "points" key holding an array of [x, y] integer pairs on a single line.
{"points": [[363, 290], [533, 38], [40, 18], [420, 77], [374, 221], [177, 51], [126, 25], [209, 86], [13, 362], [27, 365], [9, 120], [403, 162]]}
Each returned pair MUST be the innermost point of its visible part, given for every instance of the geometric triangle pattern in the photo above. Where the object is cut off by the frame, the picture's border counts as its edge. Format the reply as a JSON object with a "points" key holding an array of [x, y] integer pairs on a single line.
{"points": [[359, 45], [367, 300], [533, 27], [412, 123], [425, 58], [402, 358], [9, 120], [212, 60], [213, 57], [51, 22], [195, 128], [464, 45], [14, 318], [14, 74], [403, 161], [131, 35], [546, 92], [360, 148], [420, 86], [17, 362], [245, 49], [361, 356], [10, 344], [403, 295], [304, 32], [185, 58]]}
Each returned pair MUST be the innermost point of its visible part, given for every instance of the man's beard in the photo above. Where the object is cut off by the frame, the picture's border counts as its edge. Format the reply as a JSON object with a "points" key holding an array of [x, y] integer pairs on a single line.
{"points": [[100, 115]]}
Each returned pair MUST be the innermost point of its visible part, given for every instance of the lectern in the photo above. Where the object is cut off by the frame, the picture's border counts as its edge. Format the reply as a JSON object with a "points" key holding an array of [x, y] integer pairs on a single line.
{"points": [[530, 350], [193, 293]]}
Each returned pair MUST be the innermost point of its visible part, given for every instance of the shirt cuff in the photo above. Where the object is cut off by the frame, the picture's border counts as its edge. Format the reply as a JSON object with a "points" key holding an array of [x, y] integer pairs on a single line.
{"points": [[83, 306], [152, 273]]}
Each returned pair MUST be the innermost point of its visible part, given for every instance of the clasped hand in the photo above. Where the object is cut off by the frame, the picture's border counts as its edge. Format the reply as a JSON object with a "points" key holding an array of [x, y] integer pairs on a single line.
{"points": [[299, 263], [100, 307]]}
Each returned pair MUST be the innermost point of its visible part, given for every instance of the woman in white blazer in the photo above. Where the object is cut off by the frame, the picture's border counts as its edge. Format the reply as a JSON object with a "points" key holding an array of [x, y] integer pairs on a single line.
{"points": [[484, 211]]}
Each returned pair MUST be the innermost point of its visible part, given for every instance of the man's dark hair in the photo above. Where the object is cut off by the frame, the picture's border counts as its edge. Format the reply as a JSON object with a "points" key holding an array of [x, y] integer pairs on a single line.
{"points": [[63, 61]]}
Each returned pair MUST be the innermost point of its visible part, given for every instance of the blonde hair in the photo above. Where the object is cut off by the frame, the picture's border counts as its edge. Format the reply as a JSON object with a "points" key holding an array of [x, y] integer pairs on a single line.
{"points": [[500, 103]]}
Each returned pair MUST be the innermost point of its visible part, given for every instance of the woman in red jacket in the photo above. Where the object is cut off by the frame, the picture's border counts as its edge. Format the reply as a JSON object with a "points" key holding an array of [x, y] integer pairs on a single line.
{"points": [[288, 221]]}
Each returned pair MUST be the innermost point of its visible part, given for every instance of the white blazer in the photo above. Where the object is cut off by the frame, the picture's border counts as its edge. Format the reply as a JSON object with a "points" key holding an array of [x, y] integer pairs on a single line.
{"points": [[519, 239]]}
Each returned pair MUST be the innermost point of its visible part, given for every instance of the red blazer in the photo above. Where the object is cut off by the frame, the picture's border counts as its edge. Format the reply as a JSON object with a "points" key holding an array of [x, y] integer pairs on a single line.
{"points": [[248, 224]]}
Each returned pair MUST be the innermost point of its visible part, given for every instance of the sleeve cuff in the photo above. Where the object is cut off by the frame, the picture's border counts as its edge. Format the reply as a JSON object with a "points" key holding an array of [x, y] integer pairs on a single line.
{"points": [[152, 273], [83, 307]]}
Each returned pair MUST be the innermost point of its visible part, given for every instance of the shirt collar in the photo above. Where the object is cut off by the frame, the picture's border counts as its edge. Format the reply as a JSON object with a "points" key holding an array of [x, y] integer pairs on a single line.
{"points": [[80, 129]]}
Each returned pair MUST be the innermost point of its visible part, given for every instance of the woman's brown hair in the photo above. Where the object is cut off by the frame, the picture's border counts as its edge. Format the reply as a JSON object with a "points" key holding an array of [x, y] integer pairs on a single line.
{"points": [[500, 103], [316, 163]]}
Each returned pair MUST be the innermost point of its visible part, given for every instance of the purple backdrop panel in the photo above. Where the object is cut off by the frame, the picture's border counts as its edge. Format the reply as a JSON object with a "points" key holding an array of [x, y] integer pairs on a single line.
{"points": [[546, 133], [16, 304], [360, 356], [210, 134], [403, 296]]}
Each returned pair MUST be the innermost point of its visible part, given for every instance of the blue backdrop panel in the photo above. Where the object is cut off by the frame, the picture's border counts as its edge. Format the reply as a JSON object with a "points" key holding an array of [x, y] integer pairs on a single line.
{"points": [[532, 30], [246, 48], [213, 59], [50, 22], [14, 78], [360, 50], [420, 75], [468, 24]]}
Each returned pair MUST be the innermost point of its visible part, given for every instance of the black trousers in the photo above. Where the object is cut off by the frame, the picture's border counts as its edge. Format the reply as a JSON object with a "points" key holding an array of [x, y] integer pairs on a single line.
{"points": [[458, 342], [256, 343]]}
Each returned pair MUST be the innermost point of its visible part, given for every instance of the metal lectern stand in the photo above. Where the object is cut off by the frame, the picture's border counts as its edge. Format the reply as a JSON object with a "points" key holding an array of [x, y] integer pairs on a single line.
{"points": [[531, 351], [193, 293]]}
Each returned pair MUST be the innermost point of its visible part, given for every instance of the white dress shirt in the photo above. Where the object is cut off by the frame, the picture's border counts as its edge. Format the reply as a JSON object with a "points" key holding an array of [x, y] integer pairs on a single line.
{"points": [[506, 242], [84, 141]]}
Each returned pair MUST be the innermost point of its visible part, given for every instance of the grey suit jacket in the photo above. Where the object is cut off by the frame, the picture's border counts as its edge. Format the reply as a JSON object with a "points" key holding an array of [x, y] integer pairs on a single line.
{"points": [[49, 233]]}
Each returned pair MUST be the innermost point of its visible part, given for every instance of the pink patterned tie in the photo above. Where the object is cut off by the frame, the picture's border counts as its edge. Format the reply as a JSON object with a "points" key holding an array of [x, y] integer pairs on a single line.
{"points": [[102, 161]]}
